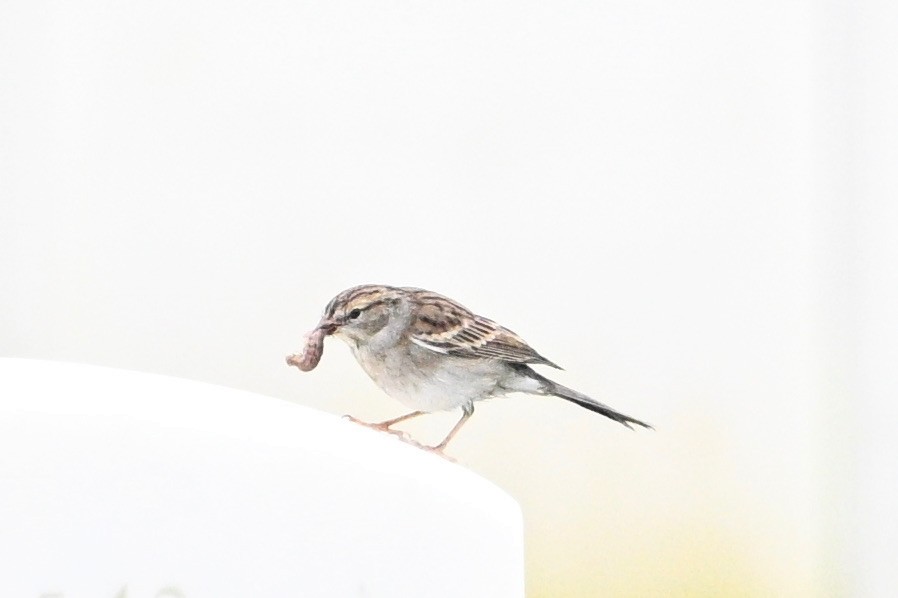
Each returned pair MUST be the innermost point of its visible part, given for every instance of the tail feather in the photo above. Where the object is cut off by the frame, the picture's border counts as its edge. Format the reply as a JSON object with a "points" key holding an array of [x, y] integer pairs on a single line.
{"points": [[569, 394], [584, 401]]}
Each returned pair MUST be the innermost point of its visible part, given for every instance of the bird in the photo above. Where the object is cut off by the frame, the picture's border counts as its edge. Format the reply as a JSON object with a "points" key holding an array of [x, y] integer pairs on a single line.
{"points": [[430, 353]]}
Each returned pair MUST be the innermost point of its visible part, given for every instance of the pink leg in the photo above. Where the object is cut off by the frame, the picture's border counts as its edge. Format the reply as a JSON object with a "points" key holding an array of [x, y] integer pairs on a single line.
{"points": [[468, 412], [385, 426]]}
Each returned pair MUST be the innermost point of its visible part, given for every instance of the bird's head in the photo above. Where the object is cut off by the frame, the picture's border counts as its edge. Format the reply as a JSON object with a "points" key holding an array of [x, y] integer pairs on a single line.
{"points": [[359, 313]]}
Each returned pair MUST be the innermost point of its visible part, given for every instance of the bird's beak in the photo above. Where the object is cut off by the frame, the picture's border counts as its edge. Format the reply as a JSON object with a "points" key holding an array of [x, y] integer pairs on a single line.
{"points": [[328, 326]]}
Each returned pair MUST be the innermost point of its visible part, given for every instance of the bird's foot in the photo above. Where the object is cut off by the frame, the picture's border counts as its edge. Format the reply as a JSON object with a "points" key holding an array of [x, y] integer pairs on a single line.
{"points": [[403, 436], [436, 450], [381, 427]]}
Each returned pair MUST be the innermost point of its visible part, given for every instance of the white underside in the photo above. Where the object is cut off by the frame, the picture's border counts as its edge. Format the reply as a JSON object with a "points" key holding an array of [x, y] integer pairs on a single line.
{"points": [[425, 380]]}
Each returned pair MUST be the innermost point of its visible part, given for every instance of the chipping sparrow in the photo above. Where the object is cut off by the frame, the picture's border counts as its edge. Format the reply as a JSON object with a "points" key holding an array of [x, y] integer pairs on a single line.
{"points": [[432, 354]]}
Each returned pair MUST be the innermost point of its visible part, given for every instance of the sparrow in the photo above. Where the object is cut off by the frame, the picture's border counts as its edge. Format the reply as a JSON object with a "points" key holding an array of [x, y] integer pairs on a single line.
{"points": [[431, 353]]}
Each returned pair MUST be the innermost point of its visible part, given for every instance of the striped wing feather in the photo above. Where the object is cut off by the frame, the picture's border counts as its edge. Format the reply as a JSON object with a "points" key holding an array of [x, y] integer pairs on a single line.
{"points": [[446, 327]]}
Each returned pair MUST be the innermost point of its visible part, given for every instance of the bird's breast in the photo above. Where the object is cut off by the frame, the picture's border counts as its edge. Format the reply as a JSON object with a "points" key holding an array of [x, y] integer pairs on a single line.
{"points": [[424, 380]]}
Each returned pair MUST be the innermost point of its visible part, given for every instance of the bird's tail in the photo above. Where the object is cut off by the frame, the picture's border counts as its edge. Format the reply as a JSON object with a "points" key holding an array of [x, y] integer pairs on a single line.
{"points": [[569, 394]]}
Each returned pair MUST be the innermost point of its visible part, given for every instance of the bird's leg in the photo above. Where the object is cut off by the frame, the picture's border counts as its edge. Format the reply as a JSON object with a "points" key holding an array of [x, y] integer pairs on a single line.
{"points": [[385, 426], [467, 411], [396, 420]]}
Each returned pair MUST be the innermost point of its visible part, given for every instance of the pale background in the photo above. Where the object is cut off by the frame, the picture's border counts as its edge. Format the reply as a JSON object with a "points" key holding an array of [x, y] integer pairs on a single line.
{"points": [[688, 205]]}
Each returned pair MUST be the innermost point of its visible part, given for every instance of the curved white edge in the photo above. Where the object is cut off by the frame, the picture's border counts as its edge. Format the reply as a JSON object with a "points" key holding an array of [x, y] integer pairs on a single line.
{"points": [[117, 479]]}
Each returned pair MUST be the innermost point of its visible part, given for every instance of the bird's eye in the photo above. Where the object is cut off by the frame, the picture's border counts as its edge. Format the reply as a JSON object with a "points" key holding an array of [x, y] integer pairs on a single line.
{"points": [[355, 313]]}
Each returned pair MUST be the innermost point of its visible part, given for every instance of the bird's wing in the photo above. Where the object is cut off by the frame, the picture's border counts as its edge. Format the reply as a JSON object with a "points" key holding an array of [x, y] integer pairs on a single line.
{"points": [[446, 327]]}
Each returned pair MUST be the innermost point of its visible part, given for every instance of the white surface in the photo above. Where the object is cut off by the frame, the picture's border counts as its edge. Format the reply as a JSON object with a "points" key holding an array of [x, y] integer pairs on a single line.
{"points": [[113, 479]]}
